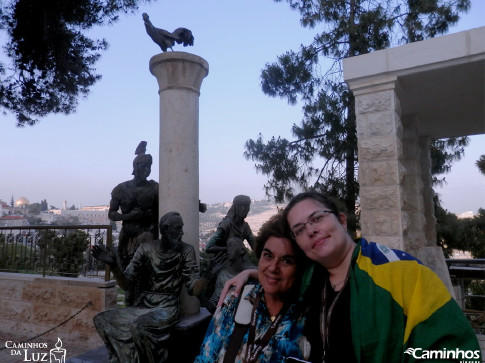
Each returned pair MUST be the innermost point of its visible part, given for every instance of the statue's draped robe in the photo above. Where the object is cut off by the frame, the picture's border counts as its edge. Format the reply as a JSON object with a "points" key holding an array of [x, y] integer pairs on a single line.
{"points": [[139, 333]]}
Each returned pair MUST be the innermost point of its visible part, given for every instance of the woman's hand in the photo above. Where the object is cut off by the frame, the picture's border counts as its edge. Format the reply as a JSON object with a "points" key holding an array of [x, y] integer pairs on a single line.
{"points": [[238, 281]]}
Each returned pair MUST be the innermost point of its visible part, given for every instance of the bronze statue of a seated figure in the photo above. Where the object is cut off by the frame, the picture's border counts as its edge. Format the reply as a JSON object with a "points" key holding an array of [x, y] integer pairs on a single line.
{"points": [[159, 268]]}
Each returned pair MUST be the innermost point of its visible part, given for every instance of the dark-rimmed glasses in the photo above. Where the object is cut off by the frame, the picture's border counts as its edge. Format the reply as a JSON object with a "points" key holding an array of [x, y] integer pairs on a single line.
{"points": [[315, 218]]}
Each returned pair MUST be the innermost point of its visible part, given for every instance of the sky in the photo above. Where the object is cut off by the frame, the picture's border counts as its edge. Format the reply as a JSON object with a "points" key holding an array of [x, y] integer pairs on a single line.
{"points": [[80, 158]]}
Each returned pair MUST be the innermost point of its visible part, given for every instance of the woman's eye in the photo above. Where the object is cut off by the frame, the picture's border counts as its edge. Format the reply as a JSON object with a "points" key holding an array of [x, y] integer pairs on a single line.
{"points": [[288, 261], [317, 218], [266, 255]]}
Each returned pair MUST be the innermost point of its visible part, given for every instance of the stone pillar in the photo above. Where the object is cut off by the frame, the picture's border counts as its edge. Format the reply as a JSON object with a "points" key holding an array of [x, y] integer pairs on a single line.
{"points": [[395, 176], [379, 135], [179, 77]]}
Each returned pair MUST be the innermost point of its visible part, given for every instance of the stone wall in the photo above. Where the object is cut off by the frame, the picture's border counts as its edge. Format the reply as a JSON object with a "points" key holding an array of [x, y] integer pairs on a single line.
{"points": [[32, 304]]}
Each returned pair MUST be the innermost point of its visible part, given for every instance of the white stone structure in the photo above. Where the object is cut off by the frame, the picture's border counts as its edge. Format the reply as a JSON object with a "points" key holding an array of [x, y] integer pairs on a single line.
{"points": [[405, 97], [179, 77]]}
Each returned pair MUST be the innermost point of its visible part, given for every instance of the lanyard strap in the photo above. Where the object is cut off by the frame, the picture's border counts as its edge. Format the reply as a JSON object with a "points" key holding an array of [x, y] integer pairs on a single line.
{"points": [[326, 314], [254, 348]]}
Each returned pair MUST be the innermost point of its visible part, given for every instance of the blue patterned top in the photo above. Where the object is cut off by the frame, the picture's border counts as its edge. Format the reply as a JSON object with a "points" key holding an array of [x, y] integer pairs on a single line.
{"points": [[288, 341]]}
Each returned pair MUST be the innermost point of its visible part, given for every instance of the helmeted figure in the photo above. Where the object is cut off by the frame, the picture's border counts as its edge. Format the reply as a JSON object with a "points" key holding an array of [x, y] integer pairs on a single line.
{"points": [[138, 201]]}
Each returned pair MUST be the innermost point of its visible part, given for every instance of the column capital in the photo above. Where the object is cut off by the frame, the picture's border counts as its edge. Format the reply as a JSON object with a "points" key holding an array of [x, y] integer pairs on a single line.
{"points": [[179, 70], [366, 85]]}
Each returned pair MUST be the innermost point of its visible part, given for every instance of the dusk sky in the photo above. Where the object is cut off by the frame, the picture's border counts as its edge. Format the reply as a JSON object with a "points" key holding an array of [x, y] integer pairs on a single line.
{"points": [[81, 157]]}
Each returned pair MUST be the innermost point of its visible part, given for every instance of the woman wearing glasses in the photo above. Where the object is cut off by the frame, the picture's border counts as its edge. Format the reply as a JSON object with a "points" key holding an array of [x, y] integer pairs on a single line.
{"points": [[370, 303]]}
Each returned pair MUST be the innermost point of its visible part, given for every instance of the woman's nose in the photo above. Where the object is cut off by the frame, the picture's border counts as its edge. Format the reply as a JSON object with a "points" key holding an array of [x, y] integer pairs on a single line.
{"points": [[311, 229], [274, 264]]}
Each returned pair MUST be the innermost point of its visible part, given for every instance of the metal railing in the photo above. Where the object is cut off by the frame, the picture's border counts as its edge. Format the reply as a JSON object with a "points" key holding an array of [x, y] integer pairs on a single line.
{"points": [[53, 250], [468, 279]]}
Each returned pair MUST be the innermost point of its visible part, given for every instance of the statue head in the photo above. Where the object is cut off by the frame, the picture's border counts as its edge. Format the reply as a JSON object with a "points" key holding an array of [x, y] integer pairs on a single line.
{"points": [[171, 226], [142, 163], [240, 207]]}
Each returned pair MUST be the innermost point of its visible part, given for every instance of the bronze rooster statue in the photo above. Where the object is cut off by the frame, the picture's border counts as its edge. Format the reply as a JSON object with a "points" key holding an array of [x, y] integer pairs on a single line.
{"points": [[164, 38]]}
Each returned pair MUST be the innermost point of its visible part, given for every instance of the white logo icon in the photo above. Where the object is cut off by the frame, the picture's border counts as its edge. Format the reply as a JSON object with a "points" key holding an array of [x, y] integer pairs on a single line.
{"points": [[410, 351], [58, 354]]}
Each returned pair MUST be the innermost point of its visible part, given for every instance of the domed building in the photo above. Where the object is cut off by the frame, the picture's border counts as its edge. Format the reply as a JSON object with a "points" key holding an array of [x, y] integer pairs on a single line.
{"points": [[22, 202]]}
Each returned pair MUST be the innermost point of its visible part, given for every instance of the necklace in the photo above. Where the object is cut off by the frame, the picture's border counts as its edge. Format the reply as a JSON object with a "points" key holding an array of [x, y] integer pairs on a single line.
{"points": [[272, 315], [334, 286]]}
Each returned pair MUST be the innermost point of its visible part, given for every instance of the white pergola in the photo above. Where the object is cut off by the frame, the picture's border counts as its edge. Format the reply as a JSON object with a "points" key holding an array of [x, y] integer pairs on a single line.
{"points": [[405, 97]]}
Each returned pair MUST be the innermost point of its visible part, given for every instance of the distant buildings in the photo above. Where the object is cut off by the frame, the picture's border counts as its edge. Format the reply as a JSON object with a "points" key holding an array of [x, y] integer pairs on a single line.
{"points": [[19, 214], [3, 208], [86, 215], [13, 221]]}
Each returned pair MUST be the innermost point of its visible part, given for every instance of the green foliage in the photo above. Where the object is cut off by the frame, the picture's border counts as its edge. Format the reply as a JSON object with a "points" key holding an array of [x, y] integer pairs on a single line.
{"points": [[36, 208], [43, 205], [46, 236], [16, 256], [448, 230], [476, 288], [323, 154], [443, 153], [68, 252], [465, 234], [474, 234], [480, 163], [52, 60]]}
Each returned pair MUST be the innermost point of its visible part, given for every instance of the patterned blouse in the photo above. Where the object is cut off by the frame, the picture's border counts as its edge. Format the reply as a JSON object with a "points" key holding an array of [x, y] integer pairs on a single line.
{"points": [[288, 340]]}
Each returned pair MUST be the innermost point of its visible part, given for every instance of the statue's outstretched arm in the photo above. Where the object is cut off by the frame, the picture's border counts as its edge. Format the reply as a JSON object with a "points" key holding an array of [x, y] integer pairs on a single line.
{"points": [[109, 256]]}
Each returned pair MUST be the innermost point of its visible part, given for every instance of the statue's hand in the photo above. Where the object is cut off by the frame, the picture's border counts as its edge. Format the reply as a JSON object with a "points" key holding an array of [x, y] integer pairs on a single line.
{"points": [[106, 255], [136, 213]]}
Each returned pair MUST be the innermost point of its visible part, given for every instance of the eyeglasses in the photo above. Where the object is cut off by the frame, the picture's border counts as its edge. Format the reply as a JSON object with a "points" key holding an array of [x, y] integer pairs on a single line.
{"points": [[315, 218]]}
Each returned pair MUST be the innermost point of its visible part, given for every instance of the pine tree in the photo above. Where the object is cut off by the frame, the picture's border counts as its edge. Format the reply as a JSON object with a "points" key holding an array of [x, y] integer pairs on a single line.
{"points": [[480, 163], [323, 155], [52, 60]]}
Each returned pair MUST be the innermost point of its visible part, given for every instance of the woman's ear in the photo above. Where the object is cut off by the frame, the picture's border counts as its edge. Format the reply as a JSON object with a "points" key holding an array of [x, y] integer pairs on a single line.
{"points": [[342, 218]]}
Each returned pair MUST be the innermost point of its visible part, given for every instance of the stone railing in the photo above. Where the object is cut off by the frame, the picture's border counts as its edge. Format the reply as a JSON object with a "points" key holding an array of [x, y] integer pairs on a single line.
{"points": [[51, 285], [53, 250], [39, 309]]}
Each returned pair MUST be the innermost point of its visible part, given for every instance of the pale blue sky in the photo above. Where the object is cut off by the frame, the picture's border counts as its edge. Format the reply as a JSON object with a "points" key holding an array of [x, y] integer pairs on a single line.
{"points": [[81, 157]]}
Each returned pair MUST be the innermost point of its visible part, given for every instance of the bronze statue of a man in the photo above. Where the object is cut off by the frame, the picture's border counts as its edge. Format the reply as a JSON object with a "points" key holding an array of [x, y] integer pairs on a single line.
{"points": [[138, 201], [139, 333]]}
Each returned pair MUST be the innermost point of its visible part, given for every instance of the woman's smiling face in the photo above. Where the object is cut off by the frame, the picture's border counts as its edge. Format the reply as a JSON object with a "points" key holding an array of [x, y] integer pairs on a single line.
{"points": [[323, 241], [277, 267]]}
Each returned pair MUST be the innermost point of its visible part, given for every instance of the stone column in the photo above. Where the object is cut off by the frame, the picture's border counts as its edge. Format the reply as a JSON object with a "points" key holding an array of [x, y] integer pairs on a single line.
{"points": [[394, 176], [379, 135], [179, 77]]}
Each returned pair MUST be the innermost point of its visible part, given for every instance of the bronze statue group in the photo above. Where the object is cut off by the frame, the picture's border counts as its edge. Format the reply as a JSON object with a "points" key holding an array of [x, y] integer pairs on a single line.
{"points": [[316, 294]]}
